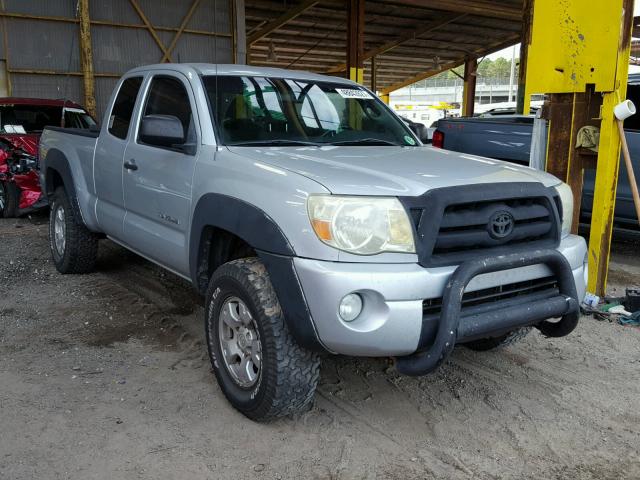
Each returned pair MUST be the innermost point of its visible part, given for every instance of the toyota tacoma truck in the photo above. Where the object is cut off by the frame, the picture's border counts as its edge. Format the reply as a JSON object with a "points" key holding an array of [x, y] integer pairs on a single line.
{"points": [[312, 220]]}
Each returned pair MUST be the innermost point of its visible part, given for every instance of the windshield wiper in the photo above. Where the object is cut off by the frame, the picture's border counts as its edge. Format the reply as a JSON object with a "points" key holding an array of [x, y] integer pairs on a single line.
{"points": [[366, 141], [277, 142]]}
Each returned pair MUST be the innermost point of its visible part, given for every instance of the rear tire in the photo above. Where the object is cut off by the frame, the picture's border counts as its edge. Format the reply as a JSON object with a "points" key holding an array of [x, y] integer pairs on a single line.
{"points": [[485, 344], [259, 366], [74, 248], [9, 199]]}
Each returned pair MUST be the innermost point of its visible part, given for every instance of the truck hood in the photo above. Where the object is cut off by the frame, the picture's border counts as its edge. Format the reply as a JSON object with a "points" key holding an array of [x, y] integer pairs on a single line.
{"points": [[397, 171]]}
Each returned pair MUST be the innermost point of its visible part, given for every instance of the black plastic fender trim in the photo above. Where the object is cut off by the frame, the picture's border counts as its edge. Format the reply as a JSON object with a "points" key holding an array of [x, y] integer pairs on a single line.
{"points": [[287, 285], [57, 161], [424, 362]]}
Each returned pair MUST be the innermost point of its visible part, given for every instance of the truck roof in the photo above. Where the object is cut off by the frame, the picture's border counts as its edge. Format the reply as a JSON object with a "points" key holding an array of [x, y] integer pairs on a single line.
{"points": [[232, 69], [48, 102]]}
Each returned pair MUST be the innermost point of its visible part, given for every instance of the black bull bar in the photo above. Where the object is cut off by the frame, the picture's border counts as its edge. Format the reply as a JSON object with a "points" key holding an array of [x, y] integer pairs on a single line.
{"points": [[523, 313]]}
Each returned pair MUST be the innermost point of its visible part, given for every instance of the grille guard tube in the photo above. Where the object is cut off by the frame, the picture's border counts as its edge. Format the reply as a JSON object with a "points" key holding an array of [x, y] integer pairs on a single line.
{"points": [[424, 362]]}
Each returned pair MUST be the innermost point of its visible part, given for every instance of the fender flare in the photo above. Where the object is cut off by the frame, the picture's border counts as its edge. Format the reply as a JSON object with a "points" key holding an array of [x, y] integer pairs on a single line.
{"points": [[57, 161], [238, 217], [263, 234]]}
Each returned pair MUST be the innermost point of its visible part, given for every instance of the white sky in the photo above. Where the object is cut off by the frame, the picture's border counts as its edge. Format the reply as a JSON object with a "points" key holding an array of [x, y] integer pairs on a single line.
{"points": [[506, 53]]}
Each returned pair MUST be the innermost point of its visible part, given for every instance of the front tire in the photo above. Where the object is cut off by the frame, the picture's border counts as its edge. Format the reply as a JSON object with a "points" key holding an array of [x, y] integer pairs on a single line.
{"points": [[259, 366], [9, 199], [74, 248]]}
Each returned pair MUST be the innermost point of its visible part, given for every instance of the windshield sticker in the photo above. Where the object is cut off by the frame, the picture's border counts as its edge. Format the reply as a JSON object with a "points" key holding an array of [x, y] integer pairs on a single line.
{"points": [[409, 140], [353, 93]]}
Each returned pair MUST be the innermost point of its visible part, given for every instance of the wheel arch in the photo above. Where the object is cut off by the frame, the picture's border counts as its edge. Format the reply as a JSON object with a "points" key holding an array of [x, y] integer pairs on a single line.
{"points": [[239, 225], [222, 213]]}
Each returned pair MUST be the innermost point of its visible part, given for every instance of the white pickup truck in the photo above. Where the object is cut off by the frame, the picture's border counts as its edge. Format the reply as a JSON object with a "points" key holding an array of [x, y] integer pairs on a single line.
{"points": [[313, 220]]}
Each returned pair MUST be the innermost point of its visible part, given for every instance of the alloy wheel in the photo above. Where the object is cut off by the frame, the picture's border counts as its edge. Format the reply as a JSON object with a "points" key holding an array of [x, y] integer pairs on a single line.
{"points": [[240, 342]]}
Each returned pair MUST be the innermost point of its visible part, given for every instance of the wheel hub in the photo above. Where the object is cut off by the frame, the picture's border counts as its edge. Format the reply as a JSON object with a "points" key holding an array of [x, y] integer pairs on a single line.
{"points": [[59, 230], [240, 342]]}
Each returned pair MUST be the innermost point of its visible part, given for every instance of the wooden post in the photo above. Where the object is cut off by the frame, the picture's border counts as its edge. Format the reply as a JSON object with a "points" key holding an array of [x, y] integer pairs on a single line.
{"points": [[469, 93], [527, 22], [355, 41], [240, 33], [374, 74], [86, 57]]}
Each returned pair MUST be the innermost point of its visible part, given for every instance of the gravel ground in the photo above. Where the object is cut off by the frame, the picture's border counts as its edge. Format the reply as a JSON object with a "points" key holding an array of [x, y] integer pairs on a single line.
{"points": [[105, 376]]}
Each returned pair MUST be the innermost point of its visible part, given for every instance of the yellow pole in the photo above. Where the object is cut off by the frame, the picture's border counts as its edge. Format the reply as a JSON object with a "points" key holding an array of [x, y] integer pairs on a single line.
{"points": [[86, 57], [608, 164]]}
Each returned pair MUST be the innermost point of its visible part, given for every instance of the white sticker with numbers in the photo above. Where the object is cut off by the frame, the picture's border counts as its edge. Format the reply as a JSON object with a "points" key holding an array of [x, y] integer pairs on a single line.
{"points": [[353, 93]]}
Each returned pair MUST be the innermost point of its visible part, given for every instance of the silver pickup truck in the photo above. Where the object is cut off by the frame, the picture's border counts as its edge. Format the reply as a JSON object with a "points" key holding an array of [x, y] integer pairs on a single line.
{"points": [[312, 220]]}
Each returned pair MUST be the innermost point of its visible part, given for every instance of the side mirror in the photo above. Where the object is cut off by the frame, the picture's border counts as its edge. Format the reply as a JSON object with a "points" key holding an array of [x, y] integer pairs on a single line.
{"points": [[161, 130]]}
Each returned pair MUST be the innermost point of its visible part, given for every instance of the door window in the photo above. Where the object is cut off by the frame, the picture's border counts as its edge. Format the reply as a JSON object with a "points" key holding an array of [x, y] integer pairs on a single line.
{"points": [[123, 107], [168, 96]]}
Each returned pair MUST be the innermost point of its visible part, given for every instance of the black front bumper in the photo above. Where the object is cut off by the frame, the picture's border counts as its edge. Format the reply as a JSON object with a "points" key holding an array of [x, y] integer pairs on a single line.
{"points": [[456, 326]]}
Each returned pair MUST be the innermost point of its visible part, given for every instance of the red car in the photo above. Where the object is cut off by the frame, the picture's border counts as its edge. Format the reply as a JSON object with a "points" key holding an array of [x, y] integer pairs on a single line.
{"points": [[21, 123]]}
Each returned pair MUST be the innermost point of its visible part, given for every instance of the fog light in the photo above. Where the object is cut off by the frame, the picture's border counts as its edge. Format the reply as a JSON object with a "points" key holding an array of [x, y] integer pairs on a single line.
{"points": [[350, 307]]}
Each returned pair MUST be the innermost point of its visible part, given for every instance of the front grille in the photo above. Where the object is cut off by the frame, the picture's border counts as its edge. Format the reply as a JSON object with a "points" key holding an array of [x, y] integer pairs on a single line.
{"points": [[455, 224], [432, 306], [467, 226]]}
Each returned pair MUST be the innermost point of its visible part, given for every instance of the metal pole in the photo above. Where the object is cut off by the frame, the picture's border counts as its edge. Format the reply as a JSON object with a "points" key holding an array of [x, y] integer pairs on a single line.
{"points": [[86, 57]]}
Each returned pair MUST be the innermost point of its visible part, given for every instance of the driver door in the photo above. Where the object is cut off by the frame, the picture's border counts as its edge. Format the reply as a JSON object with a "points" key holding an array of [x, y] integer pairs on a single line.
{"points": [[157, 179]]}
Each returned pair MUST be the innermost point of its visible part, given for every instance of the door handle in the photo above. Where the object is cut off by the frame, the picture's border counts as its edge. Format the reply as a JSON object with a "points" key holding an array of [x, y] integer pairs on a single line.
{"points": [[130, 165]]}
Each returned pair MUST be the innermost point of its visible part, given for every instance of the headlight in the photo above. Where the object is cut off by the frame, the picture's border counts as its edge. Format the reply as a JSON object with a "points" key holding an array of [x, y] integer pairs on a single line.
{"points": [[361, 225], [566, 198]]}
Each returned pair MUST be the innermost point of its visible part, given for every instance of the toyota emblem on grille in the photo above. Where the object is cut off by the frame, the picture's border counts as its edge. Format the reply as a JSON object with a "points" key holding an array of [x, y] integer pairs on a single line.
{"points": [[501, 224]]}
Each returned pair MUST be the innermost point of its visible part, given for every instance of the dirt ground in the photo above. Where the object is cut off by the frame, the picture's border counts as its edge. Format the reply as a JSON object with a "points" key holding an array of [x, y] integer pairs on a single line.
{"points": [[105, 376]]}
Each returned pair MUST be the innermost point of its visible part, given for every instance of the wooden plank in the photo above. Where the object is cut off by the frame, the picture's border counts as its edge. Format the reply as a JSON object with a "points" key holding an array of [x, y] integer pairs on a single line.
{"points": [[152, 31], [281, 20], [422, 30], [86, 57], [166, 56], [482, 8], [496, 46]]}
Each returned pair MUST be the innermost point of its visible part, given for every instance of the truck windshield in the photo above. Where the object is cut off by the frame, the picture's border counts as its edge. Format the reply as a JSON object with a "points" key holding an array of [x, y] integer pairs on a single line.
{"points": [[253, 111], [15, 118]]}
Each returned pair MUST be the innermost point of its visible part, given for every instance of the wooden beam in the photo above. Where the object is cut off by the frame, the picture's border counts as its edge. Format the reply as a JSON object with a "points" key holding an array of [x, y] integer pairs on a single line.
{"points": [[34, 71], [86, 58], [355, 41], [374, 74], [469, 93], [194, 5], [527, 24], [422, 30], [281, 20], [495, 47], [107, 23], [145, 20], [239, 26], [482, 8]]}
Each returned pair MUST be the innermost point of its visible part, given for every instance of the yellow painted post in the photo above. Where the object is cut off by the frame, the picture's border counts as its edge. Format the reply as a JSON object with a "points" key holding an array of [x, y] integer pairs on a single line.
{"points": [[608, 166], [577, 48], [385, 98], [86, 57]]}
